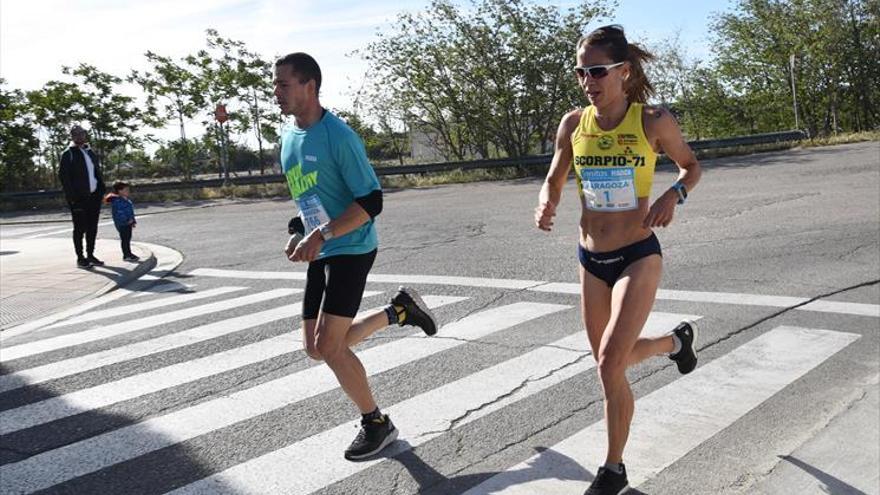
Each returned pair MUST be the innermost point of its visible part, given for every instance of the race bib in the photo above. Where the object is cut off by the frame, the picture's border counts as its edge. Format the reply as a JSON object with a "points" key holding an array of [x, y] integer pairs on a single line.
{"points": [[312, 211], [609, 189]]}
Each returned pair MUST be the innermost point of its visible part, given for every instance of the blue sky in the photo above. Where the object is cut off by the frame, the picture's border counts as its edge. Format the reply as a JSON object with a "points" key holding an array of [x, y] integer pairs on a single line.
{"points": [[37, 37]]}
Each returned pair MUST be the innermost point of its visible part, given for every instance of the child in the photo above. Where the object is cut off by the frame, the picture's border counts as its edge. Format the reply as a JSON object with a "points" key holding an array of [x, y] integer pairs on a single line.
{"points": [[123, 217]]}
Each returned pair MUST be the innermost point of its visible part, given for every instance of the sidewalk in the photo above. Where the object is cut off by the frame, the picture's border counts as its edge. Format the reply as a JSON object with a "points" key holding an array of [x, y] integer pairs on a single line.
{"points": [[40, 276]]}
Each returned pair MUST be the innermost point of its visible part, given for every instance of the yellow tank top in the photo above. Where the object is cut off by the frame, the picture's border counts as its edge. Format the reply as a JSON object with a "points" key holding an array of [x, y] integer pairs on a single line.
{"points": [[613, 168]]}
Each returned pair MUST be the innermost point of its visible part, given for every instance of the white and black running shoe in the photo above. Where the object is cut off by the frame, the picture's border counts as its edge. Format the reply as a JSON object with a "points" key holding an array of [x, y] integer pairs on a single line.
{"points": [[686, 357], [416, 311], [374, 436], [608, 482]]}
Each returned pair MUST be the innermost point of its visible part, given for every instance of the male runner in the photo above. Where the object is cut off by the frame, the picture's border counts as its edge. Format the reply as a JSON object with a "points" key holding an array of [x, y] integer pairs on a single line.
{"points": [[339, 197]]}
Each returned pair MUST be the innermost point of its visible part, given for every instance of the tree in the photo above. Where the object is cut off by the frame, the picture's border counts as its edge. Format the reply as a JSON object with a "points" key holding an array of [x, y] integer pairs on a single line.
{"points": [[672, 75], [831, 41], [113, 117], [56, 107], [241, 80], [18, 142], [489, 80], [181, 93]]}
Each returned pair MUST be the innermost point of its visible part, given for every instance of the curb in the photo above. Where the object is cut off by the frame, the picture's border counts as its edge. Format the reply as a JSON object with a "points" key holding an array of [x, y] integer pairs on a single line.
{"points": [[142, 269]]}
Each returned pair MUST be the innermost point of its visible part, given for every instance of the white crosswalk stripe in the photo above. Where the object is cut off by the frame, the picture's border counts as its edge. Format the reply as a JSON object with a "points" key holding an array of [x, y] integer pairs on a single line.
{"points": [[670, 422], [797, 303], [145, 306], [95, 453], [121, 328], [677, 418], [313, 463], [66, 367], [145, 383]]}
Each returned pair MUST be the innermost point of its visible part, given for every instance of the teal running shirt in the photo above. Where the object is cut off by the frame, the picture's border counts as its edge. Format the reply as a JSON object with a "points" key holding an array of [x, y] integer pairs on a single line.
{"points": [[326, 167]]}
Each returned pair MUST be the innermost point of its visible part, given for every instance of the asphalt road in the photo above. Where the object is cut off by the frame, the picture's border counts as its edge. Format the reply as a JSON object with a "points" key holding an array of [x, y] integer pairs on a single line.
{"points": [[758, 240]]}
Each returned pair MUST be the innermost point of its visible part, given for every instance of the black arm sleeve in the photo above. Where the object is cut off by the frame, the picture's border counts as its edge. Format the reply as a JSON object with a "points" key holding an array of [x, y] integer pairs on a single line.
{"points": [[371, 203]]}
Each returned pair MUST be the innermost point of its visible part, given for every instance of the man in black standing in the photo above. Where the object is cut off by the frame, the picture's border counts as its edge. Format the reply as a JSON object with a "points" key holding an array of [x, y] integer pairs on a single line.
{"points": [[80, 174]]}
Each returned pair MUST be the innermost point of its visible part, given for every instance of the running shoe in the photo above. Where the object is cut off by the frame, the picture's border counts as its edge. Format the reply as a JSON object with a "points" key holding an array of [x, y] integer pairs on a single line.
{"points": [[608, 482], [416, 311], [374, 436], [94, 261], [686, 357]]}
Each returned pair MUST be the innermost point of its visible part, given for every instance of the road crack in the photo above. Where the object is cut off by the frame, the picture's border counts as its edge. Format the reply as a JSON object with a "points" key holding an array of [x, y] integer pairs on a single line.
{"points": [[510, 393], [786, 310]]}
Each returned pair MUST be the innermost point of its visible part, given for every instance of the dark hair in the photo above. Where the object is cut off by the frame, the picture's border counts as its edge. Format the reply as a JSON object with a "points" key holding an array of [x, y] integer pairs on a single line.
{"points": [[612, 40], [303, 65], [119, 185]]}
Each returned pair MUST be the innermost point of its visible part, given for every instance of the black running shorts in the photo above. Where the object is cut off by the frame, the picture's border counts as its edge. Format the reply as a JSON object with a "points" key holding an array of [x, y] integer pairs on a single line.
{"points": [[609, 266], [339, 282]]}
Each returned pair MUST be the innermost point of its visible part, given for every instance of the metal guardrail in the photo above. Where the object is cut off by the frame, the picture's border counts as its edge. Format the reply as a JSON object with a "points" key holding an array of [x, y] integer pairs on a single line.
{"points": [[526, 161]]}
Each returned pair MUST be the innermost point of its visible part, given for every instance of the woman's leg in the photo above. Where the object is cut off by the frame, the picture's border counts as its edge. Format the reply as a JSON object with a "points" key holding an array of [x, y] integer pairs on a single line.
{"points": [[595, 307], [631, 301]]}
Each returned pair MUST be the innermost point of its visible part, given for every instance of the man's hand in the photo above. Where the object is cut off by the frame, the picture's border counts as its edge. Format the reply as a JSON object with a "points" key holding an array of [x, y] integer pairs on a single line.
{"points": [[544, 214], [309, 248], [662, 211]]}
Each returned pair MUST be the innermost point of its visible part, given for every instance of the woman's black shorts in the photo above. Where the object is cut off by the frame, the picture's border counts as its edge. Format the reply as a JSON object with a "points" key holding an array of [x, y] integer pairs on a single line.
{"points": [[609, 266], [339, 282]]}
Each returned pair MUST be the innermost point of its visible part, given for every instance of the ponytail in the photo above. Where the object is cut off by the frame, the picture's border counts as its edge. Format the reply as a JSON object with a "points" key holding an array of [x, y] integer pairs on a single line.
{"points": [[613, 41], [638, 88]]}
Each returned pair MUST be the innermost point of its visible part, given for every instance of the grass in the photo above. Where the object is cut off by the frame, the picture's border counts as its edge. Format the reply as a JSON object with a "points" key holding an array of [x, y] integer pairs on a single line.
{"points": [[850, 137]]}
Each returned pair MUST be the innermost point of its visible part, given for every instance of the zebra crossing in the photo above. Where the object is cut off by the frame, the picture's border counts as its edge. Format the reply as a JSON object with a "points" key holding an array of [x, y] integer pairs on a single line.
{"points": [[39, 398]]}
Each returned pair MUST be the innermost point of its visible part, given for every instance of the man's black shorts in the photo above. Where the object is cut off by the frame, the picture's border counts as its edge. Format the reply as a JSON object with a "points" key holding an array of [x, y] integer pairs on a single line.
{"points": [[339, 282]]}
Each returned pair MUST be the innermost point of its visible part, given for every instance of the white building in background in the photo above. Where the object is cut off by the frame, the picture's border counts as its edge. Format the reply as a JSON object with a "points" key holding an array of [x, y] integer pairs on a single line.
{"points": [[424, 144]]}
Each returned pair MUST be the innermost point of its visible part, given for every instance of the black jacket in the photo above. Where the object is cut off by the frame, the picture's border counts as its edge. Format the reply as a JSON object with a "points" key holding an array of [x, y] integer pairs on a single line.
{"points": [[74, 175]]}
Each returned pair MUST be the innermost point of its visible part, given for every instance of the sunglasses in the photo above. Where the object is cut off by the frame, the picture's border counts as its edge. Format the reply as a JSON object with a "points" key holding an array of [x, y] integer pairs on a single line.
{"points": [[595, 71]]}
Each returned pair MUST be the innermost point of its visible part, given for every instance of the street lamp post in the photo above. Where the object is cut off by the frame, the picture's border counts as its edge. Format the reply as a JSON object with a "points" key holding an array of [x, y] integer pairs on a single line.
{"points": [[793, 90]]}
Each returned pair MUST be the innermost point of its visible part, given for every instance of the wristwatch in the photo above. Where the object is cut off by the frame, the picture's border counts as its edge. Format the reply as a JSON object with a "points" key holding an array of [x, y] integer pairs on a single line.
{"points": [[326, 232], [682, 191]]}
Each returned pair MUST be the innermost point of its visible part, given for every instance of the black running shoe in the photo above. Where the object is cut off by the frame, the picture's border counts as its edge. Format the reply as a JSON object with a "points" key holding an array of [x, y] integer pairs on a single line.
{"points": [[94, 261], [417, 312], [374, 436], [131, 257], [686, 357], [607, 482], [83, 263]]}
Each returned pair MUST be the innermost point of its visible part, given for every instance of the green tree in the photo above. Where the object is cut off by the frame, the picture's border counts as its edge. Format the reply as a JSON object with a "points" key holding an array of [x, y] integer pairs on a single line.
{"points": [[835, 73], [56, 107], [242, 80], [175, 86], [18, 142], [490, 79], [114, 118], [672, 74]]}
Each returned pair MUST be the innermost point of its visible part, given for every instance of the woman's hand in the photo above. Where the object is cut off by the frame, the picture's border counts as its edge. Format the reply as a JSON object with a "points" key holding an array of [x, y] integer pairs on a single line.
{"points": [[544, 214], [662, 211]]}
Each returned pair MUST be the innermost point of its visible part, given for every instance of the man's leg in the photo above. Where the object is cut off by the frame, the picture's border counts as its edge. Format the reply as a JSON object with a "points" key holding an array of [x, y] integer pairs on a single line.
{"points": [[78, 214], [405, 308], [346, 278], [366, 325], [333, 348], [93, 212]]}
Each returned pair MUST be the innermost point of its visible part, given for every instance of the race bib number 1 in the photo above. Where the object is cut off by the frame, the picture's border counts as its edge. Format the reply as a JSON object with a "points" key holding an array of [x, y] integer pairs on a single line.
{"points": [[609, 189], [312, 211]]}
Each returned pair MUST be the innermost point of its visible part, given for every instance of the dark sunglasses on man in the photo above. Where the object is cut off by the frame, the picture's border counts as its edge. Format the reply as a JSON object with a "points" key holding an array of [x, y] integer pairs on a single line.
{"points": [[595, 71]]}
